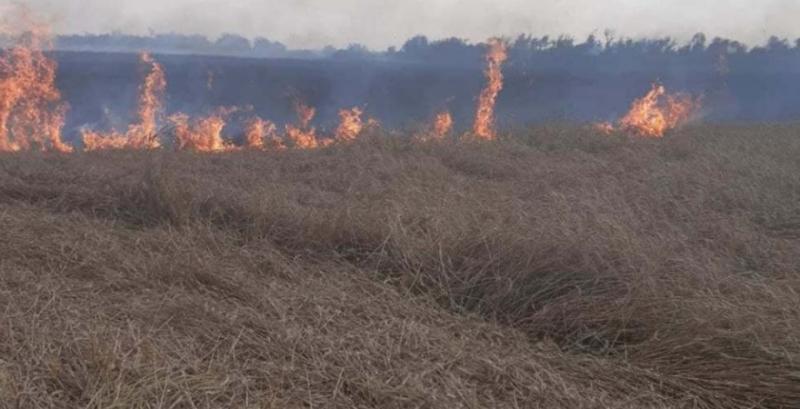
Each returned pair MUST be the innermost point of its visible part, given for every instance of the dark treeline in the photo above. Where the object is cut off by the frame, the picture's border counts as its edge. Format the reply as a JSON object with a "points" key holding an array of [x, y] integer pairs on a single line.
{"points": [[562, 49], [547, 78], [227, 45]]}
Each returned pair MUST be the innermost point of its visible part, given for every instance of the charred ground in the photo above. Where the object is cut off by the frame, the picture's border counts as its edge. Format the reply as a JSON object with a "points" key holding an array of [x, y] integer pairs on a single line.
{"points": [[553, 268], [544, 81]]}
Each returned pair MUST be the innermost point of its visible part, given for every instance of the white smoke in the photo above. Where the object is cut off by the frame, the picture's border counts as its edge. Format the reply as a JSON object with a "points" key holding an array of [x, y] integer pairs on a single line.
{"points": [[380, 23]]}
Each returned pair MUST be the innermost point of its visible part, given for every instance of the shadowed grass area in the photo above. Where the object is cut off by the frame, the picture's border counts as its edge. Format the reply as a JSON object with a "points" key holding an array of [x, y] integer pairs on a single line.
{"points": [[554, 268]]}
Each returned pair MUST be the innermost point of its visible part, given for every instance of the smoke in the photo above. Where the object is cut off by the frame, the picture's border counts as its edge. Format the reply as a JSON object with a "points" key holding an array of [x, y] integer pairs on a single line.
{"points": [[378, 24]]}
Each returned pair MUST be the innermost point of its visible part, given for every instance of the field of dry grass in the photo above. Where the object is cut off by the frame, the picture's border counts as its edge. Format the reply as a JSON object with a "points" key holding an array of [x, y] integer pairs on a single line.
{"points": [[555, 269]]}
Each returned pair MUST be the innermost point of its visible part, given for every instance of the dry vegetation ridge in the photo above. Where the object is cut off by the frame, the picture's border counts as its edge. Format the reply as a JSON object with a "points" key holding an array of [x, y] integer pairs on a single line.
{"points": [[557, 268]]}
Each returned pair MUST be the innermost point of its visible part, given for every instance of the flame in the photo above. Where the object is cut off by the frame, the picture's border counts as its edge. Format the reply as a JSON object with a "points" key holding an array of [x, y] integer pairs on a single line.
{"points": [[442, 124], [262, 135], [657, 112], [350, 124], [95, 141], [31, 110], [484, 118], [144, 133], [606, 128], [303, 136], [203, 134]]}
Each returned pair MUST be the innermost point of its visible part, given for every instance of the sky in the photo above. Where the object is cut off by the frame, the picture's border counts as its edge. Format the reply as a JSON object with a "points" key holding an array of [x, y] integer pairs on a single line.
{"points": [[382, 23]]}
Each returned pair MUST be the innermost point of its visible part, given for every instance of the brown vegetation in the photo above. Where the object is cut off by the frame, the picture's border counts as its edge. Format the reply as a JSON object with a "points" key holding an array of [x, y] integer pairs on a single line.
{"points": [[557, 268]]}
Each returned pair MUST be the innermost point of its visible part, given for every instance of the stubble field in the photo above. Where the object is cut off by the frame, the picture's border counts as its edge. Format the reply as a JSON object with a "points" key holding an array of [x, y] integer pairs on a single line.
{"points": [[554, 268]]}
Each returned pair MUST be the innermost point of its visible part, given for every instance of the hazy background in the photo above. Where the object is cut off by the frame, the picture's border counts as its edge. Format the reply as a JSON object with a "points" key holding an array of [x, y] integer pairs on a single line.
{"points": [[379, 24], [740, 57]]}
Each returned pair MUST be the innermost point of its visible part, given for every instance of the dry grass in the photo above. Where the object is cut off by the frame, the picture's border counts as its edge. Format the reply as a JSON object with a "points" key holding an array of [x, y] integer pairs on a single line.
{"points": [[554, 269]]}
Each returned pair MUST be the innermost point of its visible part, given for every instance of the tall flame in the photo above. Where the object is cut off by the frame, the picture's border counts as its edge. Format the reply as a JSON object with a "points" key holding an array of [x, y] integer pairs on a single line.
{"points": [[484, 118], [144, 133], [302, 135], [350, 124], [203, 134], [657, 112], [442, 124], [151, 100], [262, 135], [31, 110]]}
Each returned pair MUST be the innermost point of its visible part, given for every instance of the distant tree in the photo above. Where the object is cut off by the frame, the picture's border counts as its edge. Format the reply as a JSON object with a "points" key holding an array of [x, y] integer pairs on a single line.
{"points": [[353, 51], [181, 43], [416, 47], [776, 44], [453, 51], [328, 51], [696, 45], [233, 44], [564, 42], [723, 45], [609, 36], [263, 47]]}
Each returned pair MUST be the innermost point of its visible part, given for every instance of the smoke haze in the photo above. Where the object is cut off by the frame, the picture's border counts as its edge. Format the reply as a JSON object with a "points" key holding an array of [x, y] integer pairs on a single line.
{"points": [[379, 24]]}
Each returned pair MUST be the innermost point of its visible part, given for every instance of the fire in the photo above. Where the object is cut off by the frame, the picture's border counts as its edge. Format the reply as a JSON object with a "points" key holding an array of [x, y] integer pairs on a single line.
{"points": [[203, 134], [95, 141], [151, 101], [350, 124], [303, 136], [657, 112], [31, 110], [442, 124], [262, 135], [144, 133], [484, 118], [606, 128]]}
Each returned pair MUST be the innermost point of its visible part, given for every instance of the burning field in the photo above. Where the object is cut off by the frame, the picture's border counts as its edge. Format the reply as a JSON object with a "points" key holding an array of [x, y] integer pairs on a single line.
{"points": [[646, 262], [32, 113]]}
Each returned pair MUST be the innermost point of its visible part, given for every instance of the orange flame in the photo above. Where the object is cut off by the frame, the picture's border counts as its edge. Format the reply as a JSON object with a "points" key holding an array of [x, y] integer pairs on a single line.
{"points": [[350, 124], [657, 112], [484, 118], [262, 135], [144, 133], [442, 124], [302, 135], [204, 134], [95, 141], [31, 110]]}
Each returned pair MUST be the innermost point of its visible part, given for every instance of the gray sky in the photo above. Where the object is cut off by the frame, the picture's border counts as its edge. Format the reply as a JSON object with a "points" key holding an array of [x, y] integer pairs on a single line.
{"points": [[378, 24]]}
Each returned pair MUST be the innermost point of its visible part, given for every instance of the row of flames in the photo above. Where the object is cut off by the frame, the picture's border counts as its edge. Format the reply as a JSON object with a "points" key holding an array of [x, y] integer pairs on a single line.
{"points": [[205, 134], [32, 112]]}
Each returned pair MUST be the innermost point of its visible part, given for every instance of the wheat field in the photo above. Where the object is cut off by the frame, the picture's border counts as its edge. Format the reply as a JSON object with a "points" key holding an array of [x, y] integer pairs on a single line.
{"points": [[553, 268]]}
